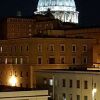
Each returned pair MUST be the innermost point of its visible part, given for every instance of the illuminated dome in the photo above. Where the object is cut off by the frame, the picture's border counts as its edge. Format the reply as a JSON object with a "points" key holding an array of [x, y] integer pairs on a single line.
{"points": [[65, 10]]}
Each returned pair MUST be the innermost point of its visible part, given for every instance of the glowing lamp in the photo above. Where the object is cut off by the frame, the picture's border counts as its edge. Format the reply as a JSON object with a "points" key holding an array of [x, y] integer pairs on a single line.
{"points": [[13, 81]]}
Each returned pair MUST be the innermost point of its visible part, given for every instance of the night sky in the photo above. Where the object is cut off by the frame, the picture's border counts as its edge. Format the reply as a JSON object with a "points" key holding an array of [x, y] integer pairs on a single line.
{"points": [[89, 10]]}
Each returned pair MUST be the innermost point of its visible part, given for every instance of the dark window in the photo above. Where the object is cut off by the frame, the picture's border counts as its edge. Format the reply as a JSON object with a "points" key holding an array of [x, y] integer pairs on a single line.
{"points": [[85, 84], [63, 82], [27, 74], [62, 60], [51, 47], [78, 97], [21, 48], [73, 48], [85, 97], [74, 60], [78, 83], [27, 48], [70, 83], [39, 60], [51, 60], [85, 60], [21, 74], [84, 48], [62, 48], [21, 85]]}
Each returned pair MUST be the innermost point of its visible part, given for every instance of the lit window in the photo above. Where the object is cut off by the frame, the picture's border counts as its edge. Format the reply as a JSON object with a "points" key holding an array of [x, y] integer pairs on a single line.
{"points": [[51, 82], [16, 61], [1, 49], [21, 60], [73, 48], [6, 60]]}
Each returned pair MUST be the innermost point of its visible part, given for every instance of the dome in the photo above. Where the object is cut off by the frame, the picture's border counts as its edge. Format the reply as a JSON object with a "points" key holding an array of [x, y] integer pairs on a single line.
{"points": [[65, 10]]}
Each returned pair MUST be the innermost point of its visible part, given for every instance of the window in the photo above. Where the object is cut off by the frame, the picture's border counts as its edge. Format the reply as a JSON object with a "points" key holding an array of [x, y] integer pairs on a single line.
{"points": [[39, 60], [84, 48], [6, 60], [45, 81], [21, 60], [26, 74], [62, 60], [16, 61], [51, 47], [70, 83], [21, 85], [1, 49], [0, 60], [85, 84], [64, 96], [94, 85], [85, 97], [85, 60], [73, 48], [74, 60], [51, 82], [39, 47], [21, 48], [70, 96], [21, 74], [63, 83], [15, 73], [62, 47], [78, 97], [51, 60], [27, 48], [78, 83]]}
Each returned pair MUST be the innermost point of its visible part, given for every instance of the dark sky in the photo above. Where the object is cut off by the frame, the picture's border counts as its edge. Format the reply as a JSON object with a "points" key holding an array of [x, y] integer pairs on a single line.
{"points": [[89, 10]]}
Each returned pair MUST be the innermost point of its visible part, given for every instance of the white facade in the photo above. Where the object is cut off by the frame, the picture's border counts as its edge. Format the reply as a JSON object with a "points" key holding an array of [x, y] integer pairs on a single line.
{"points": [[25, 95], [73, 85], [64, 10]]}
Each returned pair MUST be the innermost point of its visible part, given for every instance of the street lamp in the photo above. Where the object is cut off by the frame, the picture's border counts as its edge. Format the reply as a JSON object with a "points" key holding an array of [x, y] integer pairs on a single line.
{"points": [[94, 90], [13, 80]]}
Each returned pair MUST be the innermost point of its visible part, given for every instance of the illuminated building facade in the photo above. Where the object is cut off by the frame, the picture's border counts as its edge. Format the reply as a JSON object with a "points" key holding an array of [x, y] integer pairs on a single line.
{"points": [[64, 10], [42, 42], [70, 85]]}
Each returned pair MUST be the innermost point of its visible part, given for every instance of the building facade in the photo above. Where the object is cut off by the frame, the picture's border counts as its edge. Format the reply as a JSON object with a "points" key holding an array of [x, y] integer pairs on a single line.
{"points": [[70, 85]]}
